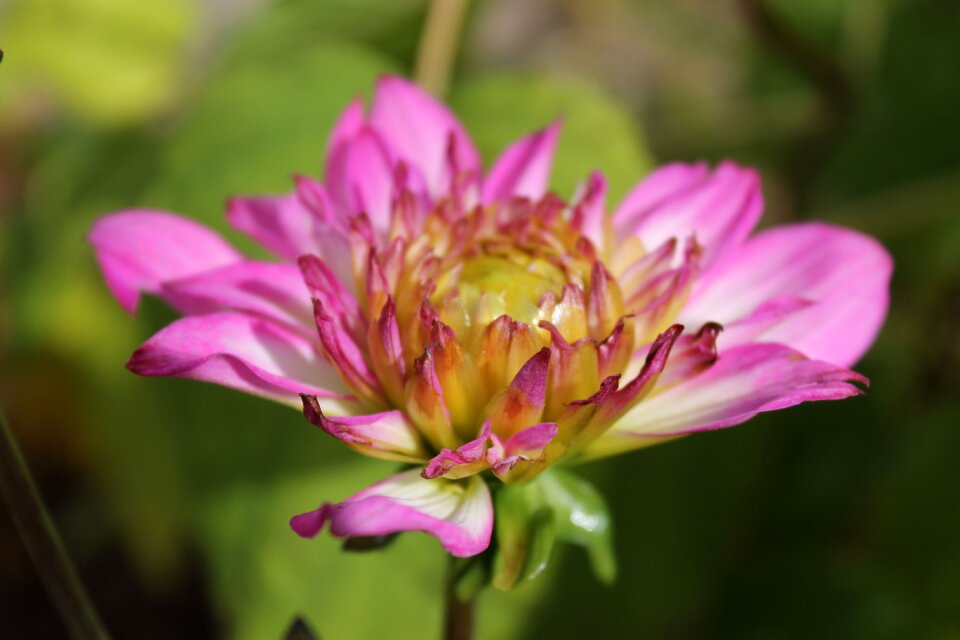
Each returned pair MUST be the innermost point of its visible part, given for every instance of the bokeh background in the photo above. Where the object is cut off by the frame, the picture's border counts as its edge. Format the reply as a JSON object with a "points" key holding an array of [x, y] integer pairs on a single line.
{"points": [[839, 520]]}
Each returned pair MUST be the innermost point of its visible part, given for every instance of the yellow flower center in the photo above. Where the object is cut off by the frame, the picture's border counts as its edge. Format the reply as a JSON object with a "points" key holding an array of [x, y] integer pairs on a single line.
{"points": [[490, 286], [503, 313]]}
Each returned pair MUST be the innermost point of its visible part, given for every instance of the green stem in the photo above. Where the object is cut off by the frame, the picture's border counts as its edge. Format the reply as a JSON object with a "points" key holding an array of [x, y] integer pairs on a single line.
{"points": [[438, 44], [458, 623], [42, 542]]}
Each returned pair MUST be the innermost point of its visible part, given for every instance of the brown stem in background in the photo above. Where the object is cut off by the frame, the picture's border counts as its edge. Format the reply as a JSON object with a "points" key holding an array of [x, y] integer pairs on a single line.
{"points": [[834, 89], [42, 542], [438, 44]]}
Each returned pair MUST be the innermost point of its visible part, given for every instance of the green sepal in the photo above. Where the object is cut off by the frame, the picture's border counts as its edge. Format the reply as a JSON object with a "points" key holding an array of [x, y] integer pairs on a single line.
{"points": [[582, 519], [531, 517], [525, 531]]}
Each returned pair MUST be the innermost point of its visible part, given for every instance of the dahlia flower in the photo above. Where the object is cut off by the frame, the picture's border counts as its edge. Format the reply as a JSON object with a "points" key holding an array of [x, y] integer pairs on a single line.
{"points": [[478, 328]]}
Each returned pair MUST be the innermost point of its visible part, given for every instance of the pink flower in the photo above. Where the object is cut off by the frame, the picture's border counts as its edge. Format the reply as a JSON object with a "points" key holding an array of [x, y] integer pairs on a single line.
{"points": [[475, 325]]}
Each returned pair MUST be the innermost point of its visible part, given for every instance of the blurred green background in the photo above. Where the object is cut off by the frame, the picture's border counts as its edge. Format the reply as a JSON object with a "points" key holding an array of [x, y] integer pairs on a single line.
{"points": [[839, 520]]}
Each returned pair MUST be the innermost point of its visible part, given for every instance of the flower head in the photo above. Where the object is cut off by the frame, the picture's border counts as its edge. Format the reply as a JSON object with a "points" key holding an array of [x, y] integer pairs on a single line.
{"points": [[481, 328]]}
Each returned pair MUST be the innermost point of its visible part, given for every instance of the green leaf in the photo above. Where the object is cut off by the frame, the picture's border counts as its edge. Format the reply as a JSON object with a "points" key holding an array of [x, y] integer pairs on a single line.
{"points": [[598, 133]]}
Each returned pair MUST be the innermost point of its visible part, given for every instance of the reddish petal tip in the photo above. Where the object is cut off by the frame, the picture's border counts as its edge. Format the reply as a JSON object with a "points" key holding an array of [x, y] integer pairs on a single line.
{"points": [[309, 524]]}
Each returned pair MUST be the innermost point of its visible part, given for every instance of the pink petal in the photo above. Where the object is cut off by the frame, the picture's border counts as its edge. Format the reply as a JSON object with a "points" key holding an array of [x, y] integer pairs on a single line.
{"points": [[821, 289], [360, 178], [301, 222], [613, 352], [635, 390], [242, 352], [766, 316], [269, 289], [590, 210], [459, 514], [453, 465], [745, 381], [718, 208], [531, 379], [426, 404], [331, 229], [637, 274], [385, 348], [691, 355], [423, 133], [338, 301], [282, 224], [469, 458], [347, 126], [345, 354], [530, 440], [139, 250], [523, 169], [523, 451], [389, 435], [604, 310], [653, 191]]}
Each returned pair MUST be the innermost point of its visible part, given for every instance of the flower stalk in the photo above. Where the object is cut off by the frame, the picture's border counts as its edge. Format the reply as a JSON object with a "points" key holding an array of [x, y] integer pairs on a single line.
{"points": [[460, 605], [43, 544], [438, 44]]}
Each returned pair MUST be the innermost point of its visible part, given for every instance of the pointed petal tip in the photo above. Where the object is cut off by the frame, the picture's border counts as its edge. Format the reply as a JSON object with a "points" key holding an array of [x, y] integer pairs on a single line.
{"points": [[138, 362], [552, 131], [669, 335], [660, 350], [311, 409], [308, 525], [531, 379], [523, 168], [357, 103], [387, 79]]}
